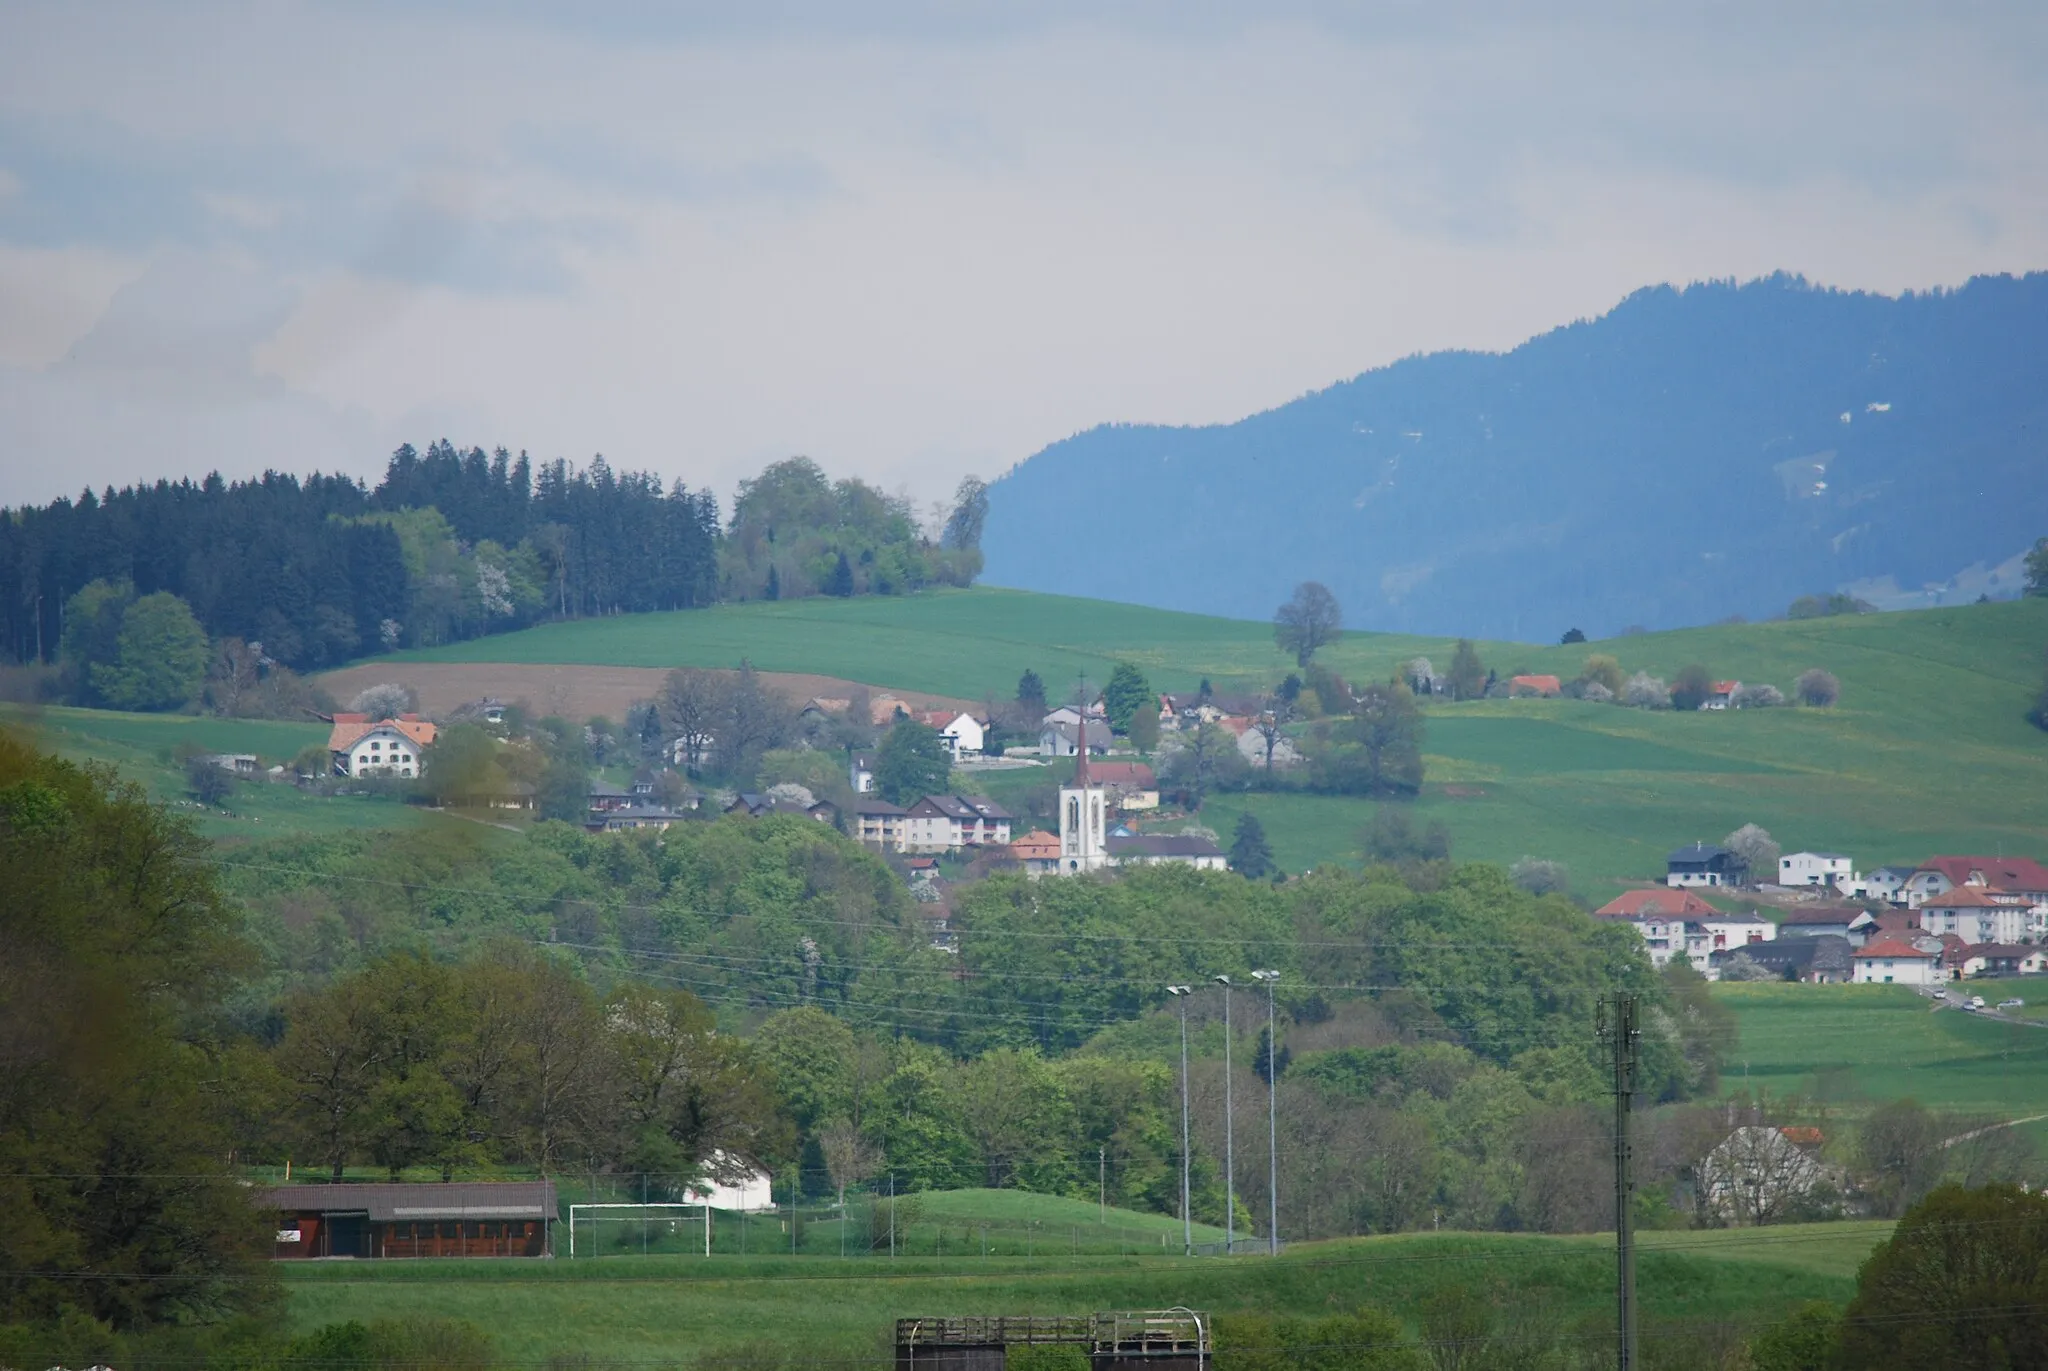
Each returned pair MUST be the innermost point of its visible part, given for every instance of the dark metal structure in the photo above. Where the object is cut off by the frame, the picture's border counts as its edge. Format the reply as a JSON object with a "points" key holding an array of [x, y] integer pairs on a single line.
{"points": [[1154, 1339]]}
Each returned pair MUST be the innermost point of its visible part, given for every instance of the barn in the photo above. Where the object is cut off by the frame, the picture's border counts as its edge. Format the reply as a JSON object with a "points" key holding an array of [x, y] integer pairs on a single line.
{"points": [[458, 1219]]}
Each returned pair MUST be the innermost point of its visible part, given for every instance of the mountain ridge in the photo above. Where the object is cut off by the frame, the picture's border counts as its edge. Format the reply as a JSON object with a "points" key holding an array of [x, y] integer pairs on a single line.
{"points": [[1693, 453]]}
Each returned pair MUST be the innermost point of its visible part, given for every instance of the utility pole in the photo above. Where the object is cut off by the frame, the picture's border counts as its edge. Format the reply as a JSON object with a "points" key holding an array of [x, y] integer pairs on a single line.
{"points": [[1272, 1119], [1187, 1216], [1618, 1027], [1229, 1142], [1101, 1185]]}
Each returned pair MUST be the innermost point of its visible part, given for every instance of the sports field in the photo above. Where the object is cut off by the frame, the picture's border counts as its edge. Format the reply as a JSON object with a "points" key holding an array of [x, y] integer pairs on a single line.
{"points": [[673, 1310]]}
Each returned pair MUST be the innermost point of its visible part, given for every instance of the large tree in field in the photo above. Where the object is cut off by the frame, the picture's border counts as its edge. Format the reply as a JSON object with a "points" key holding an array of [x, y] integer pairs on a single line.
{"points": [[1309, 620], [162, 658], [1962, 1281], [117, 952], [1468, 673], [913, 761]]}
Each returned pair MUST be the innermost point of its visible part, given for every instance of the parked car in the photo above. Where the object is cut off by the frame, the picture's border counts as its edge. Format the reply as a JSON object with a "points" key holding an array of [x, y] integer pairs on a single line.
{"points": [[2012, 1004], [1976, 1002], [1940, 995]]}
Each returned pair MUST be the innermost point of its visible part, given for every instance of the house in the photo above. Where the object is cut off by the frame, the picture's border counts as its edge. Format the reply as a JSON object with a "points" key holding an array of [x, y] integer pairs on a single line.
{"points": [[1975, 915], [759, 806], [1885, 884], [878, 823], [459, 1219], [750, 1188], [359, 746], [632, 818], [488, 710], [2021, 877], [964, 734], [1834, 921], [1131, 785], [235, 763], [1038, 852], [1759, 1174], [1702, 865], [1721, 695], [1070, 716], [1894, 961], [605, 797], [1064, 740], [947, 823], [860, 773], [1167, 849], [1822, 959], [1546, 687], [2009, 959], [1814, 868], [883, 709], [1658, 901]]}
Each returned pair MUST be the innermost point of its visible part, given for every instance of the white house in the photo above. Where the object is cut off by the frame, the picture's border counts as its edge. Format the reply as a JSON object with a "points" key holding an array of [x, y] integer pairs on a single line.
{"points": [[1975, 916], [1815, 868], [860, 773], [1885, 884], [964, 734], [947, 823], [384, 748], [1722, 696], [753, 1190], [1894, 961]]}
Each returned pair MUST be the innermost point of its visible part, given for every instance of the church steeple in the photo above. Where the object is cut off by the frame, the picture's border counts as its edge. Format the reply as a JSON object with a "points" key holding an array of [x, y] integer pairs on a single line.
{"points": [[1081, 750]]}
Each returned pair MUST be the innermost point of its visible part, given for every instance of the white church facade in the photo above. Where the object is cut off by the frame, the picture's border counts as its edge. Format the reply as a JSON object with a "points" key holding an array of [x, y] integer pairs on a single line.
{"points": [[1086, 843]]}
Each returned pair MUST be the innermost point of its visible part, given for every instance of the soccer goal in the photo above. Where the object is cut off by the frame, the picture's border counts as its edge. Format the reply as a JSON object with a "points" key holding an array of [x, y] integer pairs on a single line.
{"points": [[654, 1219]]}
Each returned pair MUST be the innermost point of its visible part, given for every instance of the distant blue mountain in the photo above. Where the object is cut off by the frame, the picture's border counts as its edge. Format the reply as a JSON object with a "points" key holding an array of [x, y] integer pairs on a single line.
{"points": [[1691, 455]]}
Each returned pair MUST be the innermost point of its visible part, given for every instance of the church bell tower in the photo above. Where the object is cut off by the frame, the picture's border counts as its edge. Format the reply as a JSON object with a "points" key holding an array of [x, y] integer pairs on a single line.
{"points": [[1084, 813]]}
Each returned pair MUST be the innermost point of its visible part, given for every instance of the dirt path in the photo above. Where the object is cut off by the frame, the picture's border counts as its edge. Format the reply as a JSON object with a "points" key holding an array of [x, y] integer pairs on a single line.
{"points": [[575, 692]]}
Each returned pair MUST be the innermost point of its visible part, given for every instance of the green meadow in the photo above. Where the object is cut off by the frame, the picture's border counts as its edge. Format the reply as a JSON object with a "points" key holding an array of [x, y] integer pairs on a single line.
{"points": [[1852, 1044], [665, 1310], [1927, 751], [144, 749]]}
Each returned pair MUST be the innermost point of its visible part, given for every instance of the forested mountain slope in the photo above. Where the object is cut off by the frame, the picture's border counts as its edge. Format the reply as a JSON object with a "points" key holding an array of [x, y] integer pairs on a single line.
{"points": [[1691, 455]]}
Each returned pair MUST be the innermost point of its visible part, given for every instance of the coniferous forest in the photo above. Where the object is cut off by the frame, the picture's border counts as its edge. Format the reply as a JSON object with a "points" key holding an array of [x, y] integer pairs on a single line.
{"points": [[451, 545]]}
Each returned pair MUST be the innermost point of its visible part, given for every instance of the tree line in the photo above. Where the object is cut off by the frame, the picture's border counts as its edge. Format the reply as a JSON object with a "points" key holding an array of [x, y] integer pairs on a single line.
{"points": [[308, 573]]}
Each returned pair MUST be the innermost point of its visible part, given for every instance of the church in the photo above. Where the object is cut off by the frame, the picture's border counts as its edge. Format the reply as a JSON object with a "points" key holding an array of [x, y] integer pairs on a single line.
{"points": [[1087, 844]]}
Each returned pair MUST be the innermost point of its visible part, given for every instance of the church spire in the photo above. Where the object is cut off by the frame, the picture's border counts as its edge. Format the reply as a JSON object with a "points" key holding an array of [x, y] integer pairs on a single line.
{"points": [[1081, 751]]}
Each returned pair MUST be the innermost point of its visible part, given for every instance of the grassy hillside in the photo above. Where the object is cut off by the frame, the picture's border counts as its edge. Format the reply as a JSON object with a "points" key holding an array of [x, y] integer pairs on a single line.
{"points": [[1856, 1042], [671, 1309], [1928, 750], [143, 748]]}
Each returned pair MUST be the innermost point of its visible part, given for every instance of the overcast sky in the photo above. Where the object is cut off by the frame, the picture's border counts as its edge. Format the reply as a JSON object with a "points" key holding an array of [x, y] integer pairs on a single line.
{"points": [[927, 241]]}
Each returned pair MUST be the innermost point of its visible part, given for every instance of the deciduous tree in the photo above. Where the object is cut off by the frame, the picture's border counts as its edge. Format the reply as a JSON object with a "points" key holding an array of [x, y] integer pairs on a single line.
{"points": [[1692, 687], [1309, 621], [1818, 688], [1468, 674], [913, 761]]}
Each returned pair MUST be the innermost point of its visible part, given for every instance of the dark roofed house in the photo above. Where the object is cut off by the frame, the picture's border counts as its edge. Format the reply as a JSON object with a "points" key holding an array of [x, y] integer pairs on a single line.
{"points": [[459, 1219], [1704, 864], [1167, 849], [1820, 960], [1827, 921]]}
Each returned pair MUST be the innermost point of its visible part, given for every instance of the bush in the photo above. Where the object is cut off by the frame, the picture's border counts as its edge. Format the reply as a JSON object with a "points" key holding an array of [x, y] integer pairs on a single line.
{"points": [[1694, 684], [208, 783], [1596, 693], [1818, 688], [1645, 691], [1758, 697]]}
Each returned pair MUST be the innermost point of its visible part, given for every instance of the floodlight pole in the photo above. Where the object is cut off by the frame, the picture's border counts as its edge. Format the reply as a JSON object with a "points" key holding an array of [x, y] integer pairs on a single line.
{"points": [[1618, 1024], [1229, 1140], [1272, 1119], [1187, 1217]]}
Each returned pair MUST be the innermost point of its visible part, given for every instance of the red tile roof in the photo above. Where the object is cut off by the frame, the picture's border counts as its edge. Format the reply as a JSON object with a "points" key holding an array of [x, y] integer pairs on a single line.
{"points": [[1548, 685], [1795, 1133], [1891, 947], [1662, 901], [350, 729], [2007, 873], [1963, 897]]}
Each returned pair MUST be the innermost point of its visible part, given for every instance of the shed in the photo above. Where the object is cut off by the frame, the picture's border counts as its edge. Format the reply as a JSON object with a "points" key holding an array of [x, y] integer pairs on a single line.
{"points": [[455, 1219]]}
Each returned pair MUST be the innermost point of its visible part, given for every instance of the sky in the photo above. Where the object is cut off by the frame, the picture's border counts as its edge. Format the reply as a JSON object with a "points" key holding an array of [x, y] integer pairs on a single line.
{"points": [[917, 240]]}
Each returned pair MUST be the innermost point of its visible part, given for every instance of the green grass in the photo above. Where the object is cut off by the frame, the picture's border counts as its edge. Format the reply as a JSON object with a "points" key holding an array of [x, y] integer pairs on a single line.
{"points": [[143, 748], [671, 1309], [1927, 752], [1883, 1043]]}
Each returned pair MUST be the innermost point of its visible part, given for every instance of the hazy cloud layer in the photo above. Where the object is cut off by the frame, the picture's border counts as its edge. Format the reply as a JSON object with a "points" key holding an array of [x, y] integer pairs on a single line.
{"points": [[915, 239]]}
